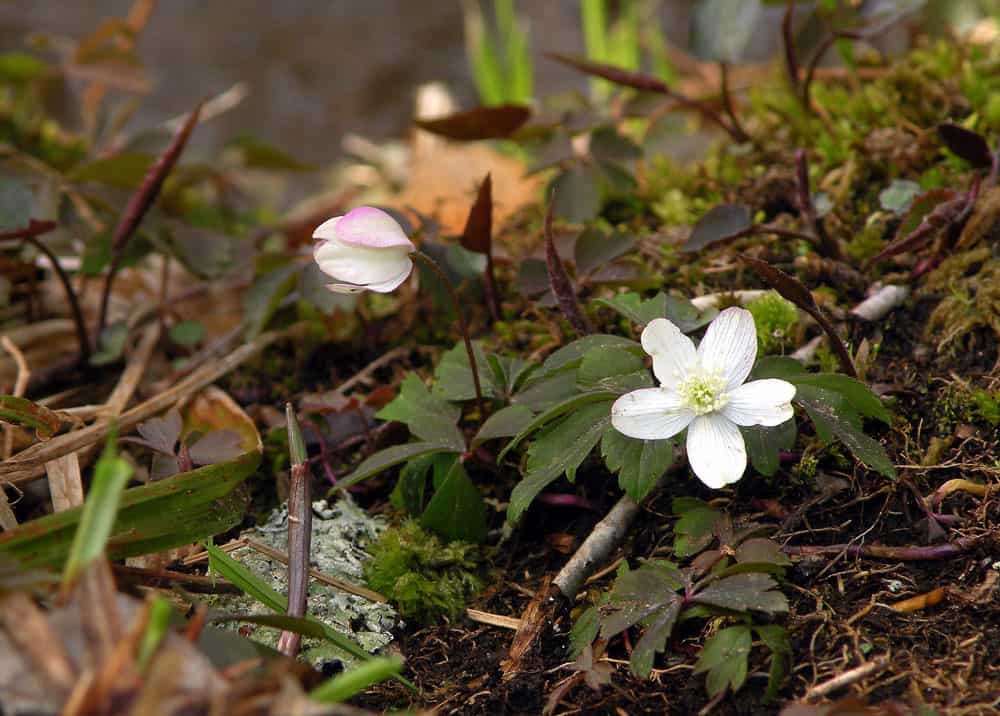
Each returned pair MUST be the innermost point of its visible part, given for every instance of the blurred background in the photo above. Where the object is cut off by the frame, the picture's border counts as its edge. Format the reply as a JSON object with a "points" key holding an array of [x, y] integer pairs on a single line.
{"points": [[315, 70]]}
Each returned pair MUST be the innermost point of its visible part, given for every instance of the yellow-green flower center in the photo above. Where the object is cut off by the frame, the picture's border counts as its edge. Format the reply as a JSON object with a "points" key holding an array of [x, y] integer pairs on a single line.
{"points": [[703, 392]]}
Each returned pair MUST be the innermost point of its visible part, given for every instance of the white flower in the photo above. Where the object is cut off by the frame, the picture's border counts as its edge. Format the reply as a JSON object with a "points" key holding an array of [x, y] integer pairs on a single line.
{"points": [[704, 391], [365, 249]]}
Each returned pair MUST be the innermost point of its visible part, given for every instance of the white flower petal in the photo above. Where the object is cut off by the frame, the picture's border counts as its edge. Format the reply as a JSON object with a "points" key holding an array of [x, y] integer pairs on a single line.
{"points": [[362, 267], [371, 228], [391, 284], [715, 450], [328, 229], [650, 414], [730, 346], [673, 353], [761, 402]]}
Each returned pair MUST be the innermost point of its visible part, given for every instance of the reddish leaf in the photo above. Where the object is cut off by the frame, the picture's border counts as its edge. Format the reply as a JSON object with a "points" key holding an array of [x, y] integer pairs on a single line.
{"points": [[478, 233], [636, 80], [478, 237], [725, 221], [792, 289], [965, 143], [931, 211], [562, 287], [479, 123]]}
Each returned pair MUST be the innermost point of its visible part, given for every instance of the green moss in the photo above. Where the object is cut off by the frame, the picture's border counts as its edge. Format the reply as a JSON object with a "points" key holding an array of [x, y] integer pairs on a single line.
{"points": [[426, 578], [775, 319], [987, 406]]}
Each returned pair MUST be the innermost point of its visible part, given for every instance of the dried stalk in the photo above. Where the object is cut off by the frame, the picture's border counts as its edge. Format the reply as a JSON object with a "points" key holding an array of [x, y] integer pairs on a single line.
{"points": [[139, 204], [299, 532], [29, 464]]}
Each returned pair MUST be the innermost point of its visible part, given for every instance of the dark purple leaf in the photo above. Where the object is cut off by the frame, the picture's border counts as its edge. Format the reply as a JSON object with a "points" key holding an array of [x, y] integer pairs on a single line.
{"points": [[577, 193], [217, 446], [741, 592], [478, 233], [965, 143], [562, 287], [931, 211], [725, 221], [479, 123], [161, 434], [594, 249], [616, 75], [792, 289]]}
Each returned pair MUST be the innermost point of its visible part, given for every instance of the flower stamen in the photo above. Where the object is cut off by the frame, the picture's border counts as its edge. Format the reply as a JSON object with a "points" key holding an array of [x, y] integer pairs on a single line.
{"points": [[703, 392]]}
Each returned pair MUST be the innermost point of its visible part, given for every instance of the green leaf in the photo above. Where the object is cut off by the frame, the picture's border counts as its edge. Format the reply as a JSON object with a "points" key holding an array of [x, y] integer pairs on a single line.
{"points": [[410, 492], [457, 511], [124, 171], [575, 402], [264, 298], [570, 355], [187, 333], [510, 371], [833, 416], [742, 592], [860, 397], [584, 631], [559, 449], [776, 639], [384, 459], [168, 513], [613, 369], [725, 657], [21, 411], [343, 686], [777, 367], [428, 416], [641, 311], [764, 445], [453, 376], [646, 595], [97, 520], [506, 422], [546, 392], [639, 463], [694, 530]]}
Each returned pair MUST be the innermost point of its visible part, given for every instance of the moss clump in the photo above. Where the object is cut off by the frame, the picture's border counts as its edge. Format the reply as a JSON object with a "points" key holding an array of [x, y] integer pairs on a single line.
{"points": [[970, 282], [775, 319], [987, 406], [427, 579]]}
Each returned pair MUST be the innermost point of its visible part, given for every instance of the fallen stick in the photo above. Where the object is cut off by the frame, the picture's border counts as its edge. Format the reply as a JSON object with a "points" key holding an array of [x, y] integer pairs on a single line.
{"points": [[848, 677], [878, 551], [30, 463]]}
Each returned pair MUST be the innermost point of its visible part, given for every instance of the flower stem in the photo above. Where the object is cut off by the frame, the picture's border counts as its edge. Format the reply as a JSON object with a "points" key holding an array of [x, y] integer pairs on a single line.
{"points": [[463, 325]]}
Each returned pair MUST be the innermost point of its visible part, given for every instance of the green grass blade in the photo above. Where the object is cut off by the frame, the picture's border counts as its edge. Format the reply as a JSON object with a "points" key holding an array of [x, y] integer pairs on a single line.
{"points": [[343, 686], [99, 511], [168, 513]]}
